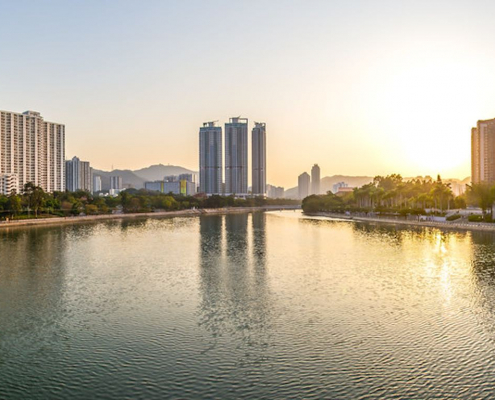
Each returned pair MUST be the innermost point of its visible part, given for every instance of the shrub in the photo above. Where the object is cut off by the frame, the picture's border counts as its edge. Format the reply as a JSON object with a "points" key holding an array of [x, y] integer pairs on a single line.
{"points": [[453, 217], [475, 218]]}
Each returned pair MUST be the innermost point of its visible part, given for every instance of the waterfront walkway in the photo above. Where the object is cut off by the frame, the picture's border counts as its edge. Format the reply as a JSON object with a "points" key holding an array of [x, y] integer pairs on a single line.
{"points": [[478, 226], [158, 214]]}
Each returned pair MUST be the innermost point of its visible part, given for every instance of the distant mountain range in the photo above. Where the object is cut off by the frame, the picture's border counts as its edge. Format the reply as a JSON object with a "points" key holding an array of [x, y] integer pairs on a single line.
{"points": [[138, 177], [356, 181]]}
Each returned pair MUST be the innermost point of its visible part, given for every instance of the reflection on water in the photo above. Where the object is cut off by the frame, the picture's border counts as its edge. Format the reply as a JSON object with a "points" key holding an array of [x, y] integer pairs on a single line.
{"points": [[263, 305], [235, 300]]}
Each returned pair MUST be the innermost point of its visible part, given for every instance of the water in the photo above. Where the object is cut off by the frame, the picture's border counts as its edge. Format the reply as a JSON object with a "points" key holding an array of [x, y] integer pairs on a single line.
{"points": [[272, 305]]}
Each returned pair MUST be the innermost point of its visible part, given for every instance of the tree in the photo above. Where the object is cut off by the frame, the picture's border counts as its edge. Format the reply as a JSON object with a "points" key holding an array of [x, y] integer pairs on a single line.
{"points": [[14, 204], [481, 194], [34, 196], [91, 209], [460, 202], [76, 208]]}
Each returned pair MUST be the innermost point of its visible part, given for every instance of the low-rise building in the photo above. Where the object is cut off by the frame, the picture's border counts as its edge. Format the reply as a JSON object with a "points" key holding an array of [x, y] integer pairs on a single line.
{"points": [[344, 190], [115, 192], [8, 184], [338, 185], [155, 186], [172, 184], [182, 187]]}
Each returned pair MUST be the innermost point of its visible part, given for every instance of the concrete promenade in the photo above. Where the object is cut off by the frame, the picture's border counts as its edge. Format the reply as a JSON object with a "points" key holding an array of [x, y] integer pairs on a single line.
{"points": [[475, 226], [158, 214]]}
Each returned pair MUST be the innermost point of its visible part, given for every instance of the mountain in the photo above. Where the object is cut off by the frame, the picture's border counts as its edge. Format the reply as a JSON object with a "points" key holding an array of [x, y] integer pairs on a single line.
{"points": [[137, 178], [157, 172], [292, 193]]}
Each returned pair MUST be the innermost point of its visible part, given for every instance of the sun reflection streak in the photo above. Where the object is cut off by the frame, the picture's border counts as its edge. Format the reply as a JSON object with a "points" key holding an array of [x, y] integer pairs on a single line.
{"points": [[445, 262]]}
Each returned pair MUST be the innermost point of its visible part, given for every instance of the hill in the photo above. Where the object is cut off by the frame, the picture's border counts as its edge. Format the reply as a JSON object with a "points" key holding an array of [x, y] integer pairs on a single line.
{"points": [[157, 172], [128, 178], [138, 177]]}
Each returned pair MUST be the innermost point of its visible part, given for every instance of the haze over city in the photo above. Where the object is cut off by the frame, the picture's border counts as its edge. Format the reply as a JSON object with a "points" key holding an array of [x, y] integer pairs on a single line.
{"points": [[362, 88]]}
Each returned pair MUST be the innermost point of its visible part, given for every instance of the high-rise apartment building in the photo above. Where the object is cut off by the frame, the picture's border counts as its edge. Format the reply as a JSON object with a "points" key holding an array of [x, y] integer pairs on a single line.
{"points": [[275, 192], [78, 175], [483, 152], [259, 158], [116, 182], [303, 184], [33, 149], [315, 179], [236, 156], [97, 183], [210, 158]]}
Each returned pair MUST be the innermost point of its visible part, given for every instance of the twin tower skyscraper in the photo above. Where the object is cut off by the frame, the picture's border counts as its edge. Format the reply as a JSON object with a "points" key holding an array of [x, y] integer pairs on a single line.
{"points": [[236, 158]]}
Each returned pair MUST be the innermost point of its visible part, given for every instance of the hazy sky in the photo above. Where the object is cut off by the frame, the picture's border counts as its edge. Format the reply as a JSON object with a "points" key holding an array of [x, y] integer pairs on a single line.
{"points": [[359, 87]]}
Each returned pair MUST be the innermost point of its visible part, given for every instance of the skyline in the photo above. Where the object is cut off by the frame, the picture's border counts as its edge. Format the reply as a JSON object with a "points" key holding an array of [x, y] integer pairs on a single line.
{"points": [[331, 82]]}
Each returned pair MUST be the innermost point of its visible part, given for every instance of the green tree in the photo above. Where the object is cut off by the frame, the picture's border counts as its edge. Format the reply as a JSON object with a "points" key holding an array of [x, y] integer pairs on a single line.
{"points": [[34, 196], [91, 209], [482, 195], [14, 204]]}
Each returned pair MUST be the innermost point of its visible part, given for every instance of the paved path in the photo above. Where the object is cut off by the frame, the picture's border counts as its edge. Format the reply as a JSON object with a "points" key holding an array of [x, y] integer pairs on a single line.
{"points": [[160, 214], [478, 226]]}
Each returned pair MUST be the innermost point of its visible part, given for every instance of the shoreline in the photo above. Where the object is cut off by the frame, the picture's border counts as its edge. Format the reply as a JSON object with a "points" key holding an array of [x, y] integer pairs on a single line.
{"points": [[466, 226], [159, 214]]}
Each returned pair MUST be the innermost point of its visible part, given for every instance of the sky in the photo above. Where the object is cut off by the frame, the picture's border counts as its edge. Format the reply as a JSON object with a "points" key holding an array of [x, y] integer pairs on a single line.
{"points": [[359, 87]]}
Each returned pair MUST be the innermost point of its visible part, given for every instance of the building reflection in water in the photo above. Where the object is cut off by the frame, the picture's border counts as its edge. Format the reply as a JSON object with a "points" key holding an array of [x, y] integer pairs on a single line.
{"points": [[483, 272], [259, 241], [235, 295]]}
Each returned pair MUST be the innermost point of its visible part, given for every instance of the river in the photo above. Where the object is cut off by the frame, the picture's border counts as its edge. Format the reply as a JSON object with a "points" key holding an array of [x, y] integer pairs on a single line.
{"points": [[269, 305]]}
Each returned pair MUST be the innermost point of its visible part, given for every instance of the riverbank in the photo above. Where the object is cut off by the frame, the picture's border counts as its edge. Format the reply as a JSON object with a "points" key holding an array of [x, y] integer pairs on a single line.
{"points": [[465, 226], [159, 214]]}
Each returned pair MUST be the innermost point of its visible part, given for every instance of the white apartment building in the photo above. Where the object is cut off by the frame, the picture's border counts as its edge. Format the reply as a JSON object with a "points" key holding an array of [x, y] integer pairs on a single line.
{"points": [[210, 158], [116, 182], [96, 183], [33, 149], [8, 184], [236, 157], [275, 192], [259, 159]]}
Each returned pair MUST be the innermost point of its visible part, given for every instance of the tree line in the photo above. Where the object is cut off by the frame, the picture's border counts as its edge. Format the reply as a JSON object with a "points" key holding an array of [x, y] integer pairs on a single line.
{"points": [[34, 202], [392, 193]]}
